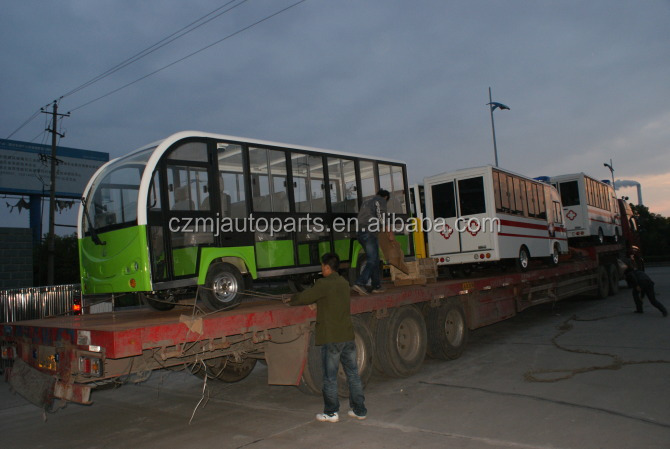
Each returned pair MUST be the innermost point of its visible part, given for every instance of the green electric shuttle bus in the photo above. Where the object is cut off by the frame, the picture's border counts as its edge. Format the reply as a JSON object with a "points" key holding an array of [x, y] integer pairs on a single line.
{"points": [[200, 209]]}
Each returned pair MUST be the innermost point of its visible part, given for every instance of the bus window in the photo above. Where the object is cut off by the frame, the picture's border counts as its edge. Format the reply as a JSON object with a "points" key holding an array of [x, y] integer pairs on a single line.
{"points": [[308, 183], [510, 193], [231, 181], [155, 193], [187, 188], [268, 180], [368, 184], [518, 185], [504, 193], [191, 151], [391, 179], [558, 213], [444, 202], [569, 193], [524, 197], [496, 190], [532, 202], [471, 196], [541, 211], [342, 179]]}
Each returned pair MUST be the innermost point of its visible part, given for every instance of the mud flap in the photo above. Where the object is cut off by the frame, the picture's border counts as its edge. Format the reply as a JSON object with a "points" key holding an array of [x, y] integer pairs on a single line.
{"points": [[286, 354], [33, 385]]}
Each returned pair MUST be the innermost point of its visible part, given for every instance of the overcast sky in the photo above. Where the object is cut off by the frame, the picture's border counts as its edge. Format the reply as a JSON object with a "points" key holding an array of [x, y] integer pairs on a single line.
{"points": [[585, 81]]}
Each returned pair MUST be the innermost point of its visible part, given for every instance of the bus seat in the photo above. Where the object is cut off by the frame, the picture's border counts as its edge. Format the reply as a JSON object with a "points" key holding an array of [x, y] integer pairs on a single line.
{"points": [[181, 201]]}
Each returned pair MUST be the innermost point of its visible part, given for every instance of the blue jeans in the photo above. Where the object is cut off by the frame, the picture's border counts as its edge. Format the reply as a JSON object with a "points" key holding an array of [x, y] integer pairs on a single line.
{"points": [[371, 271], [332, 354]]}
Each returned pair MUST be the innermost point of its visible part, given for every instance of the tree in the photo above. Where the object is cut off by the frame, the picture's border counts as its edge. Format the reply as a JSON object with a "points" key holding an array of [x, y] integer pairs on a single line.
{"points": [[654, 233], [66, 266]]}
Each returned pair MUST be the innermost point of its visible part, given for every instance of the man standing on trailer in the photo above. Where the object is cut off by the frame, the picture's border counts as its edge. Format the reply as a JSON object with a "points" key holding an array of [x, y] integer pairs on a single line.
{"points": [[335, 335], [642, 285], [370, 221]]}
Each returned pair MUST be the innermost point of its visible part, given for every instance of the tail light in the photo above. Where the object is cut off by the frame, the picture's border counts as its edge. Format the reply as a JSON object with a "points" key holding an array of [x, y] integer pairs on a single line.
{"points": [[76, 306], [8, 352], [90, 366]]}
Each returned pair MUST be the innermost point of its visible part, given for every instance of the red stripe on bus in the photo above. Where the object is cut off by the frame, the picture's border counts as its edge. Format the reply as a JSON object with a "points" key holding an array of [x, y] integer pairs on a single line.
{"points": [[521, 224], [505, 234]]}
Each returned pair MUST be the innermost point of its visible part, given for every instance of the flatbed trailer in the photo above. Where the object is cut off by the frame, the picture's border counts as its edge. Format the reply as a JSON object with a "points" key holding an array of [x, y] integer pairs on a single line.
{"points": [[66, 357]]}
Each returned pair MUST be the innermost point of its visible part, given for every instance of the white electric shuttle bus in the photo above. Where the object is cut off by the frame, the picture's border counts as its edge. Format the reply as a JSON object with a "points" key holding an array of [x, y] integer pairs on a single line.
{"points": [[490, 215], [589, 206]]}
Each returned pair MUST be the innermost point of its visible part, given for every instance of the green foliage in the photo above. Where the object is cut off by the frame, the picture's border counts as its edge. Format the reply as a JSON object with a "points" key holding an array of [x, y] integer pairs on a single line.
{"points": [[66, 261], [654, 234]]}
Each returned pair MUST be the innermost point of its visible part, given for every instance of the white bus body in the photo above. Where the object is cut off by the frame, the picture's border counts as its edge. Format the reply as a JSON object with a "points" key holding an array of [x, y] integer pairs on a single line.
{"points": [[589, 206], [514, 212]]}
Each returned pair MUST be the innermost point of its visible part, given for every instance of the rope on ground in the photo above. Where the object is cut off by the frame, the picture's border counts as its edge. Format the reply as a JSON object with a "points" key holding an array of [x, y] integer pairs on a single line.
{"points": [[616, 363]]}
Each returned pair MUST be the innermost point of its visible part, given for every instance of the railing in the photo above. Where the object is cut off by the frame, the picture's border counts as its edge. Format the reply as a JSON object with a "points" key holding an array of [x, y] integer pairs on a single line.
{"points": [[18, 304]]}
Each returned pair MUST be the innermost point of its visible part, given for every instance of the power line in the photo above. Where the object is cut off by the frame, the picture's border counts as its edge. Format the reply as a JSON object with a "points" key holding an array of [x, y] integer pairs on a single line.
{"points": [[161, 43], [190, 55], [28, 120]]}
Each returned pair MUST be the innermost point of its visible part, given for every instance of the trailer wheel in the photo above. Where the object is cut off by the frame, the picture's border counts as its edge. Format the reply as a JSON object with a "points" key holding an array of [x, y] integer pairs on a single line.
{"points": [[555, 256], [613, 273], [312, 375], [523, 261], [225, 369], [447, 330], [401, 341], [223, 287], [158, 301], [603, 283]]}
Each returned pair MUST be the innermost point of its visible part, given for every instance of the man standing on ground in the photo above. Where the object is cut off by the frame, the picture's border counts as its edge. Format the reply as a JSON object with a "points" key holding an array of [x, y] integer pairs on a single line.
{"points": [[642, 285], [370, 220], [335, 335]]}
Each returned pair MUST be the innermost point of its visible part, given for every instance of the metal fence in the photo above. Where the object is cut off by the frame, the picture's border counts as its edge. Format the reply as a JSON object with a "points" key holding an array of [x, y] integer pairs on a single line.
{"points": [[31, 303]]}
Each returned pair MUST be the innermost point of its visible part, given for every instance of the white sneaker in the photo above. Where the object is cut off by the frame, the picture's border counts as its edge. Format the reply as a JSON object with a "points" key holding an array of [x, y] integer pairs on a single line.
{"points": [[327, 418], [379, 290], [354, 415], [360, 290]]}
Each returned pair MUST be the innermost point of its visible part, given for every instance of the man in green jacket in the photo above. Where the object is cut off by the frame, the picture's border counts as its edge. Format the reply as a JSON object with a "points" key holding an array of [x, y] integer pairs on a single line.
{"points": [[335, 335]]}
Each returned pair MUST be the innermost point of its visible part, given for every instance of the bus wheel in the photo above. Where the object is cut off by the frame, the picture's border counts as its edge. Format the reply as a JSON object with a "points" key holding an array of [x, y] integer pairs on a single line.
{"points": [[555, 254], [223, 287], [603, 282], [447, 330], [613, 273], [401, 341], [158, 300], [523, 260], [617, 237], [601, 237]]}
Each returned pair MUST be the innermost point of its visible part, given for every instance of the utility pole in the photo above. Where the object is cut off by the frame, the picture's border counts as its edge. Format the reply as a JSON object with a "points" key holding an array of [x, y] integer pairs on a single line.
{"points": [[52, 189]]}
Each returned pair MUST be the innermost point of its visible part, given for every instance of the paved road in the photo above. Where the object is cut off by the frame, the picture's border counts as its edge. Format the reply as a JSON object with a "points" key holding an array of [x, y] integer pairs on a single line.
{"points": [[483, 400]]}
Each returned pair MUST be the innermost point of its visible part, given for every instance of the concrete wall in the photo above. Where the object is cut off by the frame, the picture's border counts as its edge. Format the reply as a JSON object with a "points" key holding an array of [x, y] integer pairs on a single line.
{"points": [[16, 258]]}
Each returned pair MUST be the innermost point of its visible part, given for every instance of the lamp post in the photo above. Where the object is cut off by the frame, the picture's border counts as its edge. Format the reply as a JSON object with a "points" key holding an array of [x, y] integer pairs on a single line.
{"points": [[611, 168], [492, 106]]}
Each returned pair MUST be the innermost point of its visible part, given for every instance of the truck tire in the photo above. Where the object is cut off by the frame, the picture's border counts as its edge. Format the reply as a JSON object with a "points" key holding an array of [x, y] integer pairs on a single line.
{"points": [[523, 260], [401, 341], [223, 287], [447, 330], [613, 274], [312, 376], [603, 283]]}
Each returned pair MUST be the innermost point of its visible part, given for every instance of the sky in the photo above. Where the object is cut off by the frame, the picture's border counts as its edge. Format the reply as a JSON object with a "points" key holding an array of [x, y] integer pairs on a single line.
{"points": [[586, 82]]}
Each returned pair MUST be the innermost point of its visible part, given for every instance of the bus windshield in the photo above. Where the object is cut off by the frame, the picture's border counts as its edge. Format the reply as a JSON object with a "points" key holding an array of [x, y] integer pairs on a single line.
{"points": [[112, 200]]}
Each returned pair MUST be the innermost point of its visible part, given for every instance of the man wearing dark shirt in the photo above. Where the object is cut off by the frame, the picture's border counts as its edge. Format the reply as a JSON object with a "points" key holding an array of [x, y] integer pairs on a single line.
{"points": [[642, 285], [335, 335]]}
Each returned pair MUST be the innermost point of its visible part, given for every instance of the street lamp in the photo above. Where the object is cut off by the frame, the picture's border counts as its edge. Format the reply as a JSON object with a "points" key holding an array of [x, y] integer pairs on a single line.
{"points": [[610, 166], [492, 106]]}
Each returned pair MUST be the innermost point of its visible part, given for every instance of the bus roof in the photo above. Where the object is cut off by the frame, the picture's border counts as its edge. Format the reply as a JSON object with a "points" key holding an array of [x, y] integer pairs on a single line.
{"points": [[165, 143]]}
